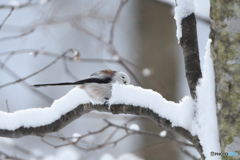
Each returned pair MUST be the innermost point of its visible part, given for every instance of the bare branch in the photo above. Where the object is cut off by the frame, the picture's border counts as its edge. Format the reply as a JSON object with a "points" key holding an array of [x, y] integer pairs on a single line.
{"points": [[17, 36], [6, 59], [27, 4], [109, 46], [149, 134], [9, 14], [7, 106], [122, 61], [85, 108], [68, 71], [115, 19], [33, 74], [154, 80], [14, 75]]}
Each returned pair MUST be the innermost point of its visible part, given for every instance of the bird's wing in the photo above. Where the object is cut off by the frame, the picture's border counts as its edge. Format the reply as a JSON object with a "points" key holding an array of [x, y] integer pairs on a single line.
{"points": [[104, 73], [88, 80]]}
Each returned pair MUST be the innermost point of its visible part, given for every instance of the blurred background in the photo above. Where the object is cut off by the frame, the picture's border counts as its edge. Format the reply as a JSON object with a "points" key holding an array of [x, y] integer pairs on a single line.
{"points": [[134, 36]]}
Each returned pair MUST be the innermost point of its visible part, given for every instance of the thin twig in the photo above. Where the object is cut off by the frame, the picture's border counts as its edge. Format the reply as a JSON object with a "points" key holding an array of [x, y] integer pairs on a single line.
{"points": [[67, 69], [149, 134], [111, 135], [114, 142], [115, 19], [14, 75], [33, 74], [152, 78], [17, 36], [6, 59], [27, 4], [7, 106], [78, 138], [5, 156], [9, 14], [131, 73]]}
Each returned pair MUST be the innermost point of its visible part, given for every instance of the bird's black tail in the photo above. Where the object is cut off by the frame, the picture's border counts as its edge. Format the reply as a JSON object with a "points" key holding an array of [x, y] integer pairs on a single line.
{"points": [[88, 80], [55, 84]]}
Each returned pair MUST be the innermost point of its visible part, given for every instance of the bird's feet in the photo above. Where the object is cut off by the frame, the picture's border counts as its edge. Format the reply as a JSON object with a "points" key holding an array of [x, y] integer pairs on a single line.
{"points": [[105, 100]]}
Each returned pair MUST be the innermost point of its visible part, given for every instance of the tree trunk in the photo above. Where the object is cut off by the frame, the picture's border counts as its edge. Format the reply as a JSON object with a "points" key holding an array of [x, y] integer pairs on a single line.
{"points": [[225, 51]]}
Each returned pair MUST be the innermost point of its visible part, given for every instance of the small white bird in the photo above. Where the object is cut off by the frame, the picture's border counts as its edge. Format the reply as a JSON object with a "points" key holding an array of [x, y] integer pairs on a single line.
{"points": [[99, 85]]}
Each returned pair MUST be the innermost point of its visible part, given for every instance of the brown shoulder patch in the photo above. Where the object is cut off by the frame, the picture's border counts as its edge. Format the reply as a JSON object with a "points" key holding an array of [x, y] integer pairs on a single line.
{"points": [[108, 72]]}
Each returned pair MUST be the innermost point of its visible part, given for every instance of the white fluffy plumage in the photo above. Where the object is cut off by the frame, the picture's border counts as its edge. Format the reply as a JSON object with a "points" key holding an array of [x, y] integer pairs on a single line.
{"points": [[99, 85]]}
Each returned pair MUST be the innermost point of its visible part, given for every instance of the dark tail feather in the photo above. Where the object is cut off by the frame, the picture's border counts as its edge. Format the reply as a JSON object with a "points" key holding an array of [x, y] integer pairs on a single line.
{"points": [[55, 84], [88, 80]]}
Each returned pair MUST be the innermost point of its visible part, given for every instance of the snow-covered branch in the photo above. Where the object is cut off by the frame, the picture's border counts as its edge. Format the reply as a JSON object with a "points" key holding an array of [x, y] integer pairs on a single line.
{"points": [[187, 36], [189, 43], [129, 99]]}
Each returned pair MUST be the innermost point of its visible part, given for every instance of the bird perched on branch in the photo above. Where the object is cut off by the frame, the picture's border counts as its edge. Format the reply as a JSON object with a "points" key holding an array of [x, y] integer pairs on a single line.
{"points": [[99, 85]]}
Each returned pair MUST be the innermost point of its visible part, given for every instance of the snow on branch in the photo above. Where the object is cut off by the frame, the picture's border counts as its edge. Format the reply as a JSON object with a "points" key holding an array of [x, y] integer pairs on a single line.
{"points": [[180, 114], [187, 35], [184, 9], [129, 99], [76, 102]]}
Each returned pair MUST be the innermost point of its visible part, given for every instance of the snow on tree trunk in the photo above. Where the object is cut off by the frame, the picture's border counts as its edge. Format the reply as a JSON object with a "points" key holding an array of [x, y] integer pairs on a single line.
{"points": [[225, 50]]}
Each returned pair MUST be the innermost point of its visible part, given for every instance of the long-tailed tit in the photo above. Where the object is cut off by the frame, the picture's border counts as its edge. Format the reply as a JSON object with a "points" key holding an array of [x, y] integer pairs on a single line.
{"points": [[99, 85]]}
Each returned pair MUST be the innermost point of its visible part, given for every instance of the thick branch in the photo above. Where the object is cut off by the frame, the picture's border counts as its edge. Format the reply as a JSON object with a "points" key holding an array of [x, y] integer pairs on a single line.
{"points": [[85, 108], [54, 126], [189, 45], [128, 109]]}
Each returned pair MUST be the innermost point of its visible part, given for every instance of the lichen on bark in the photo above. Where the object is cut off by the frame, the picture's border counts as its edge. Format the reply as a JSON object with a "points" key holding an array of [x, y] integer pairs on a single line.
{"points": [[225, 51]]}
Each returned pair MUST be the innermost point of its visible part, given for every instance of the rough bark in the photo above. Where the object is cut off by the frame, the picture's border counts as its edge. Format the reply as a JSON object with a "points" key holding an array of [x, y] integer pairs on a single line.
{"points": [[189, 43], [225, 51]]}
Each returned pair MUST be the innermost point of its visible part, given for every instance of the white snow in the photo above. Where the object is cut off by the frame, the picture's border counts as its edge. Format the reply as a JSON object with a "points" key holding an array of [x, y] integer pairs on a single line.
{"points": [[41, 116], [7, 141], [180, 114], [205, 124], [64, 153], [76, 55], [184, 8], [15, 3], [134, 127], [126, 156], [163, 133], [37, 152], [146, 72], [75, 137], [90, 138], [41, 2], [116, 57], [107, 156]]}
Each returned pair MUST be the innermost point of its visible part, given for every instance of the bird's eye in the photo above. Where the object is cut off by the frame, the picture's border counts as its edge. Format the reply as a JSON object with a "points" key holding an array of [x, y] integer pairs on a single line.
{"points": [[123, 77]]}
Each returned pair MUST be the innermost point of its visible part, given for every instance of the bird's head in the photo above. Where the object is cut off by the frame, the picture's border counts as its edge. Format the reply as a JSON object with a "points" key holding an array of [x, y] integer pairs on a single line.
{"points": [[121, 77]]}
